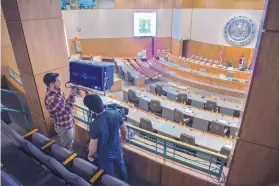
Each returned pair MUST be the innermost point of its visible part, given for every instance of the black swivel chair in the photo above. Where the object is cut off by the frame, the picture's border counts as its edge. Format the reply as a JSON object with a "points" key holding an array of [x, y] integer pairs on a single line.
{"points": [[146, 124], [132, 97], [179, 117], [155, 107], [181, 98], [224, 151], [211, 106], [185, 138], [217, 128], [130, 78], [159, 90]]}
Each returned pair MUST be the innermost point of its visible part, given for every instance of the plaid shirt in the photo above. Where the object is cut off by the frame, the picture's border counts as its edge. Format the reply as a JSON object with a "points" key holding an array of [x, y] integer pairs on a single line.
{"points": [[60, 108]]}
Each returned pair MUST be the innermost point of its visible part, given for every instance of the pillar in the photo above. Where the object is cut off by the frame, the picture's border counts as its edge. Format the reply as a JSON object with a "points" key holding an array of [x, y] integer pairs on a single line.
{"points": [[37, 35], [256, 158]]}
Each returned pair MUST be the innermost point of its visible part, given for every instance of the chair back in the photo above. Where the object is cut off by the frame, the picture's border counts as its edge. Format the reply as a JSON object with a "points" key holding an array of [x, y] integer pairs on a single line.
{"points": [[22, 142], [146, 124], [225, 151], [178, 115], [159, 90], [132, 97], [211, 106], [37, 153], [83, 168], [155, 105], [69, 177], [60, 153], [187, 139], [39, 140], [181, 98], [217, 128], [230, 74], [229, 64]]}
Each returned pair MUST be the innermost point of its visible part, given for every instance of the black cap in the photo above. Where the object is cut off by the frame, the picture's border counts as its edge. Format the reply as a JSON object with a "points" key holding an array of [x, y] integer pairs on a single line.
{"points": [[94, 103], [50, 78]]}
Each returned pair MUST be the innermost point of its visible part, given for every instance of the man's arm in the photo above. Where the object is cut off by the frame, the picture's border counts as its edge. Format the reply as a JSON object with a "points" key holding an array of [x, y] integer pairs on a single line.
{"points": [[123, 130], [92, 148]]}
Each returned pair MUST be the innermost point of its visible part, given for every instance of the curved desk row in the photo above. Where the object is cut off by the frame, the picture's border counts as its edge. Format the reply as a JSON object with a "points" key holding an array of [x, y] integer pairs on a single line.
{"points": [[201, 119], [138, 79], [204, 140], [198, 101], [209, 69], [204, 77], [199, 81]]}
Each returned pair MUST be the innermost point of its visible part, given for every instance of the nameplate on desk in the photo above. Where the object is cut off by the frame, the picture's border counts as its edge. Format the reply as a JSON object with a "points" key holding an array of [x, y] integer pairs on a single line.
{"points": [[188, 111], [222, 121]]}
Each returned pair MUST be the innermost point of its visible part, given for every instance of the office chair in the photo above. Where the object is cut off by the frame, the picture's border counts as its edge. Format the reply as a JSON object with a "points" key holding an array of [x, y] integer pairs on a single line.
{"points": [[185, 64], [217, 128], [229, 64], [159, 90], [193, 56], [121, 72], [216, 62], [179, 117], [227, 131], [146, 124], [230, 74], [155, 106], [130, 78], [132, 97], [211, 106], [200, 58], [210, 61], [181, 98], [189, 140], [226, 152], [205, 60]]}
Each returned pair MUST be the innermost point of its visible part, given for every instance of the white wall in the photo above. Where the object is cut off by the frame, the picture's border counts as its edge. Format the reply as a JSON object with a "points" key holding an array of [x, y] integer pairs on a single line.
{"points": [[181, 24], [208, 24], [111, 23]]}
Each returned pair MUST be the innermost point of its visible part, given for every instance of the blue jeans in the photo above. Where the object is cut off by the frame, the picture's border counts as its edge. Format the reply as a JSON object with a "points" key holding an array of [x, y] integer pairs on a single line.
{"points": [[113, 167]]}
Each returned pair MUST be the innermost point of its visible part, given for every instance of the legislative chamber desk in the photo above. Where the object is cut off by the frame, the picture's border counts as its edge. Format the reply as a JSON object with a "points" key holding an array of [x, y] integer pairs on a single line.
{"points": [[167, 128], [198, 80], [201, 118], [198, 101], [209, 69], [138, 78]]}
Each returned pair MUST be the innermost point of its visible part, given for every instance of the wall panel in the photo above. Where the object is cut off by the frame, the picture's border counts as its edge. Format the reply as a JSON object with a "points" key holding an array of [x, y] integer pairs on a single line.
{"points": [[128, 4], [230, 4], [111, 23], [176, 47], [212, 51], [208, 24], [119, 47]]}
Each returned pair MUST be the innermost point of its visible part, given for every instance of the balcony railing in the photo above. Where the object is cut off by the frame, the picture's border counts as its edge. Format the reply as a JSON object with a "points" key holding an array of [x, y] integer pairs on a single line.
{"points": [[189, 155]]}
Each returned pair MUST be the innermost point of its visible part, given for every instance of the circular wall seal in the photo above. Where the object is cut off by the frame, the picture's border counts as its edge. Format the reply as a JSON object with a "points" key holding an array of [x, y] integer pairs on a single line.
{"points": [[239, 30]]}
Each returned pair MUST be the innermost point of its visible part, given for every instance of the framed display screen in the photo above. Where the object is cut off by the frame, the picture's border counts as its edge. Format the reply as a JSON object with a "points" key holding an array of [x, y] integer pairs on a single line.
{"points": [[145, 24]]}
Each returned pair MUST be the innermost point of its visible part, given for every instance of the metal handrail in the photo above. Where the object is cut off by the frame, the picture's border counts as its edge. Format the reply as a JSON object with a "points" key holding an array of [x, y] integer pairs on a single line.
{"points": [[21, 104], [189, 155]]}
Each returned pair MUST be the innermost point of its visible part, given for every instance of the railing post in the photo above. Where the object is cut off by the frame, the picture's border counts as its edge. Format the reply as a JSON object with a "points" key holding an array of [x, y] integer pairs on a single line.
{"points": [[165, 147]]}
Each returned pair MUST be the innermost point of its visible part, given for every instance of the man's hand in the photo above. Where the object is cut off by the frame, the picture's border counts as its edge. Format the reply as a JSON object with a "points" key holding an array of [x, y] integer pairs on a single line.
{"points": [[124, 138], [73, 91], [90, 158]]}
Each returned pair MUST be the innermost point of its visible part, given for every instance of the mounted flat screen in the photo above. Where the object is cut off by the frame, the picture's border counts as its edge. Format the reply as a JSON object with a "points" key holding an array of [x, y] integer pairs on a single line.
{"points": [[145, 24]]}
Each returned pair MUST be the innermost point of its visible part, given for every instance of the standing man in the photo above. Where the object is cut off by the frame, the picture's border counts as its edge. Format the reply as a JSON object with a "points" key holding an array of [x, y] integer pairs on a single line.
{"points": [[60, 109], [105, 144]]}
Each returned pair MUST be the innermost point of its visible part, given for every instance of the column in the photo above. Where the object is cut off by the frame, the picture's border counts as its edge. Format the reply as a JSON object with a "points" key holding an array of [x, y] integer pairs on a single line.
{"points": [[256, 158], [37, 35]]}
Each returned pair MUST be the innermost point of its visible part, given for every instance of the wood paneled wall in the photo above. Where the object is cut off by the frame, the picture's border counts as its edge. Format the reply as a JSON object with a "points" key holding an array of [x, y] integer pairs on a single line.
{"points": [[230, 4], [119, 47], [129, 4], [212, 51], [176, 47], [7, 57], [218, 4]]}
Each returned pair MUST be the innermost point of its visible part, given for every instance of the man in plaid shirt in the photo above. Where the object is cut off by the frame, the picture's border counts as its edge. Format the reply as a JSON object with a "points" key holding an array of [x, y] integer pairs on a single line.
{"points": [[60, 109]]}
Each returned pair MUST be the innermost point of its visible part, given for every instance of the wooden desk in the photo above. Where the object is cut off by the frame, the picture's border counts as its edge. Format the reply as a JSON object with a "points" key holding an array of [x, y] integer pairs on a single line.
{"points": [[209, 69]]}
